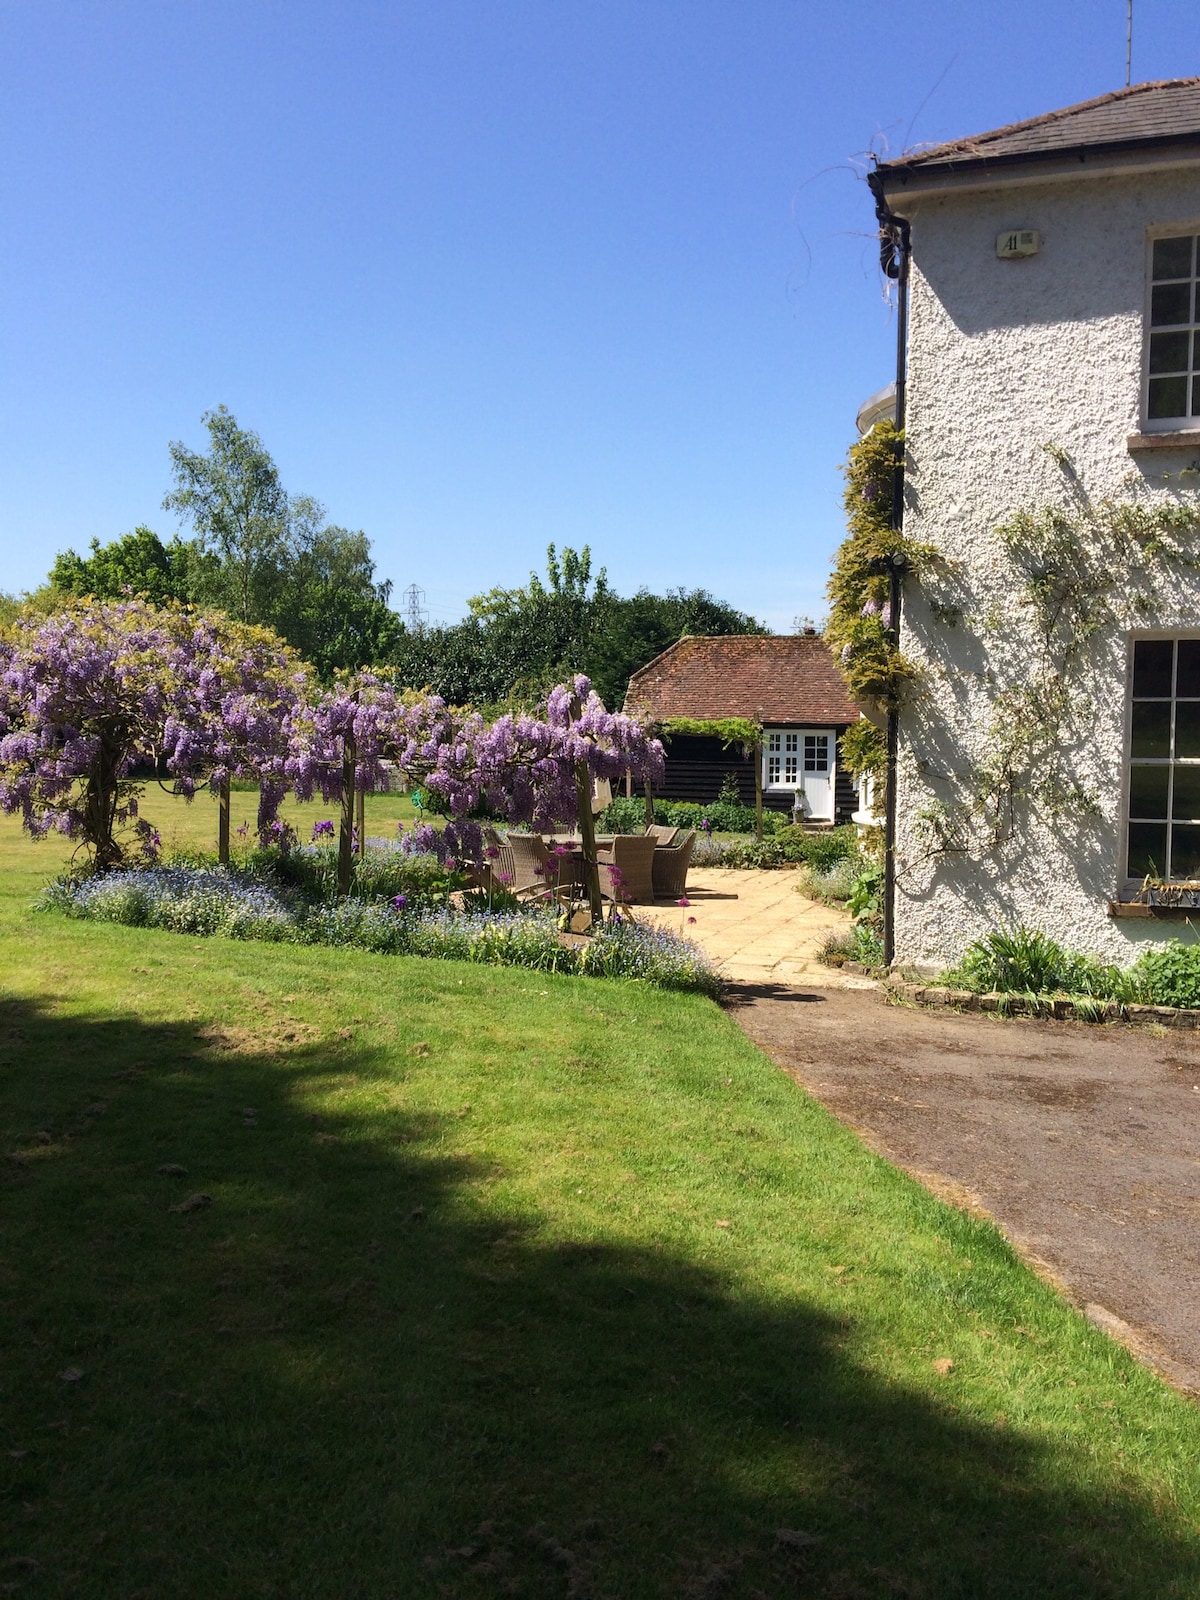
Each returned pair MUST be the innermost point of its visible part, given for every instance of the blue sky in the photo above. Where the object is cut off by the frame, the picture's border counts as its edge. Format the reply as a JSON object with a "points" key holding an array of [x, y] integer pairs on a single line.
{"points": [[486, 273]]}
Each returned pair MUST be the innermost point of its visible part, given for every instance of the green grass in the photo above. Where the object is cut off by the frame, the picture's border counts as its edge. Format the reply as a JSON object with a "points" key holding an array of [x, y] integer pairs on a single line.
{"points": [[509, 1285]]}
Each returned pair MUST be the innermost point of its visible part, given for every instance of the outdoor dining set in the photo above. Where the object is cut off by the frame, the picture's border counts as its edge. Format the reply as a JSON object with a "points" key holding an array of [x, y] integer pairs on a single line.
{"points": [[633, 868]]}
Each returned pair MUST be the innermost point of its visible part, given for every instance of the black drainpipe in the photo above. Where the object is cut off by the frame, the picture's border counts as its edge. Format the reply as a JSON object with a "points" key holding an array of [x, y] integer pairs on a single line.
{"points": [[895, 253]]}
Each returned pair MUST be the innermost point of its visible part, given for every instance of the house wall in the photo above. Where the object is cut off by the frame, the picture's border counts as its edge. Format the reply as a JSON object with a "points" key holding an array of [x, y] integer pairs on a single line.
{"points": [[1004, 358]]}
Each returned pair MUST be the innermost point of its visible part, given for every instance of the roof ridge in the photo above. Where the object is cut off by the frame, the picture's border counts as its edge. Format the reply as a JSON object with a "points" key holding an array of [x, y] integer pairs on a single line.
{"points": [[978, 142]]}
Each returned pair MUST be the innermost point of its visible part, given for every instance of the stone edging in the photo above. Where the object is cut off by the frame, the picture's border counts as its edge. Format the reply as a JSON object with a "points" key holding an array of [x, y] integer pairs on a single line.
{"points": [[923, 994]]}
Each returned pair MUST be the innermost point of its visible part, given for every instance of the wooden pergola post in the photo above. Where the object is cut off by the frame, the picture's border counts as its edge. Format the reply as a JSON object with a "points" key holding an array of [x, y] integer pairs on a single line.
{"points": [[758, 787], [360, 822]]}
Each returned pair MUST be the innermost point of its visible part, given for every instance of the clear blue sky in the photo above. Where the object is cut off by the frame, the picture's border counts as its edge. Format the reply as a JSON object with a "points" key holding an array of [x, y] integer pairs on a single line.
{"points": [[486, 273]]}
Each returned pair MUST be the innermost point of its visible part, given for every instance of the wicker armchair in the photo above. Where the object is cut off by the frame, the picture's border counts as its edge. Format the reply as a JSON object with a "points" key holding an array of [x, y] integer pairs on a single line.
{"points": [[535, 870], [498, 871], [671, 868], [631, 858], [663, 834]]}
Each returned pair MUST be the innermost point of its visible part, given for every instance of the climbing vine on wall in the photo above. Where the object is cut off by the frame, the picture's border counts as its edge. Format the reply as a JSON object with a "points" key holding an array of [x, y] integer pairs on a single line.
{"points": [[1083, 573], [860, 622]]}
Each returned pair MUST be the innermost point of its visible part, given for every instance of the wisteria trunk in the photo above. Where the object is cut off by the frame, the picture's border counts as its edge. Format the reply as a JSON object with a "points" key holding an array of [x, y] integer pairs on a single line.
{"points": [[223, 823], [346, 833], [100, 808], [587, 833]]}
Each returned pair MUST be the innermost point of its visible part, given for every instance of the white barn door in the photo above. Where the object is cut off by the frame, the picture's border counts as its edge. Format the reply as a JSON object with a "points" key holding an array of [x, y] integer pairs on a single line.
{"points": [[816, 772], [801, 760]]}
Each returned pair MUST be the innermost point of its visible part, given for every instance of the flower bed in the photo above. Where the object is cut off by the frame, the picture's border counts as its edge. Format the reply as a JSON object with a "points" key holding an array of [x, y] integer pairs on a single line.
{"points": [[207, 901]]}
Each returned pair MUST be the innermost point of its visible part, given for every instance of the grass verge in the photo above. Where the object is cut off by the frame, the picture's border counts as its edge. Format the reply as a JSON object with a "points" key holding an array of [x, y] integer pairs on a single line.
{"points": [[509, 1284]]}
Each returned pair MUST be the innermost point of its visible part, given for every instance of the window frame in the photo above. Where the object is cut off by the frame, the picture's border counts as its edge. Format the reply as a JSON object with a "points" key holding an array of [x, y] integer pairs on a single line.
{"points": [[1177, 424], [1134, 881], [790, 755]]}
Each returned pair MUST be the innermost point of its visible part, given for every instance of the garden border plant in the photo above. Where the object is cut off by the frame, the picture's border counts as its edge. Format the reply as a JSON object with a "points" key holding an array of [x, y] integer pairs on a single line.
{"points": [[1025, 970], [203, 900]]}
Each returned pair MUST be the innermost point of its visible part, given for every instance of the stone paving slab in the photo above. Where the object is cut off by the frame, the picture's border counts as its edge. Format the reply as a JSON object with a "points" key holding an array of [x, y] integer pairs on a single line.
{"points": [[756, 927]]}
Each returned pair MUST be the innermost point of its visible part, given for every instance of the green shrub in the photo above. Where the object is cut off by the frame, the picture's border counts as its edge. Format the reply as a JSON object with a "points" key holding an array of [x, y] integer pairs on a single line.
{"points": [[623, 815], [1169, 975], [834, 884], [863, 943]]}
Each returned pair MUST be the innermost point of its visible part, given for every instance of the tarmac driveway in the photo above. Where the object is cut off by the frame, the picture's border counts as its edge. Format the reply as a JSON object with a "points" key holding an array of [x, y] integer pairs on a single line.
{"points": [[1082, 1142]]}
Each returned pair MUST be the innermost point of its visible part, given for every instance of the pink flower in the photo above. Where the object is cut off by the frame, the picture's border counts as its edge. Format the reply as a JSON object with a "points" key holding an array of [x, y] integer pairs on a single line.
{"points": [[683, 901]]}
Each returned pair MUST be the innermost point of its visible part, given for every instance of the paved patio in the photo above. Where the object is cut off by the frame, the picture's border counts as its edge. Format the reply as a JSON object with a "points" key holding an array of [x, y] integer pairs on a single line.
{"points": [[757, 928]]}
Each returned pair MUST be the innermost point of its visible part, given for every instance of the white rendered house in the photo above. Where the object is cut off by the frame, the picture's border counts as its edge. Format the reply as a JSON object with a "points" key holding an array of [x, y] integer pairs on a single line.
{"points": [[1048, 760]]}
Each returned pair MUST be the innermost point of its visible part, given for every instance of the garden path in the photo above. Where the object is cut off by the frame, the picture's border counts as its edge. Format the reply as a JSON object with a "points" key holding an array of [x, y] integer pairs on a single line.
{"points": [[756, 927]]}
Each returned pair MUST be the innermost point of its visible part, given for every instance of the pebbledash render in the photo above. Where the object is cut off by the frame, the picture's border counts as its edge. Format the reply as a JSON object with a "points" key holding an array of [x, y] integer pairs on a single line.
{"points": [[1053, 359]]}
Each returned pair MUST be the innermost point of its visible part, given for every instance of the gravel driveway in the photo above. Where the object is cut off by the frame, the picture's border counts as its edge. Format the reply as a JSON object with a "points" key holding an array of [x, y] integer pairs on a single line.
{"points": [[1082, 1142]]}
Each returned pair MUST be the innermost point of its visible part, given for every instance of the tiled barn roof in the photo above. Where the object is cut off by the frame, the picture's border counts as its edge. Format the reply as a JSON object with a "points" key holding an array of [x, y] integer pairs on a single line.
{"points": [[1146, 114], [771, 679]]}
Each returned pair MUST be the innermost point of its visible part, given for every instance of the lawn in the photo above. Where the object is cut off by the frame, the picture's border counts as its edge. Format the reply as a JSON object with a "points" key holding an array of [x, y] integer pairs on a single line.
{"points": [[508, 1284]]}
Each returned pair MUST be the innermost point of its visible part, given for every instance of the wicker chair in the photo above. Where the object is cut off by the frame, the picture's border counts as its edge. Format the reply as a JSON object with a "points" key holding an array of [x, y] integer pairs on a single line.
{"points": [[663, 834], [631, 857], [535, 871], [498, 871], [671, 868]]}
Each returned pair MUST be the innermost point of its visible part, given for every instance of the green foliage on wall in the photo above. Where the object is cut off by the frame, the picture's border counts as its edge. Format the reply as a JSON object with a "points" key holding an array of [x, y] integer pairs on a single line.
{"points": [[864, 749], [859, 629], [730, 730]]}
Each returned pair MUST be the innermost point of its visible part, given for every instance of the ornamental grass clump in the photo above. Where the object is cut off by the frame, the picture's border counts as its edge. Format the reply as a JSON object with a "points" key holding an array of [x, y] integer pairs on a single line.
{"points": [[1028, 962]]}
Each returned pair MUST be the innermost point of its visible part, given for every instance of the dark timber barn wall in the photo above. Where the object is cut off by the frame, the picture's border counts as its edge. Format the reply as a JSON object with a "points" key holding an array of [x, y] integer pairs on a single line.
{"points": [[696, 768]]}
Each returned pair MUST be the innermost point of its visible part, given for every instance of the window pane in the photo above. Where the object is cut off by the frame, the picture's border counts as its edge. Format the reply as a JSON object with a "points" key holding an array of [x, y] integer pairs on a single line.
{"points": [[1173, 257], [1170, 303], [1168, 397], [1147, 849], [1185, 852], [1148, 791], [1187, 684], [1152, 668], [1169, 352], [1151, 729], [1187, 730], [1185, 795], [1195, 411]]}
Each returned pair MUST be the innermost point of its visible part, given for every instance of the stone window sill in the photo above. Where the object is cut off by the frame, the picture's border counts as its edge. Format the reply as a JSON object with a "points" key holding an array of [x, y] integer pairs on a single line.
{"points": [[1182, 439]]}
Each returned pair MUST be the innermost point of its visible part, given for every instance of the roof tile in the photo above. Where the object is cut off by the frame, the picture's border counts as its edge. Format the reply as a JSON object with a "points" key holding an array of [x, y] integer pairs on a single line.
{"points": [[772, 678], [1147, 111]]}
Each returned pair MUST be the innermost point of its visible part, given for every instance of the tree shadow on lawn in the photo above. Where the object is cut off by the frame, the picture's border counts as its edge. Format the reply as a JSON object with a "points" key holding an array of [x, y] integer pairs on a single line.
{"points": [[354, 1373]]}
